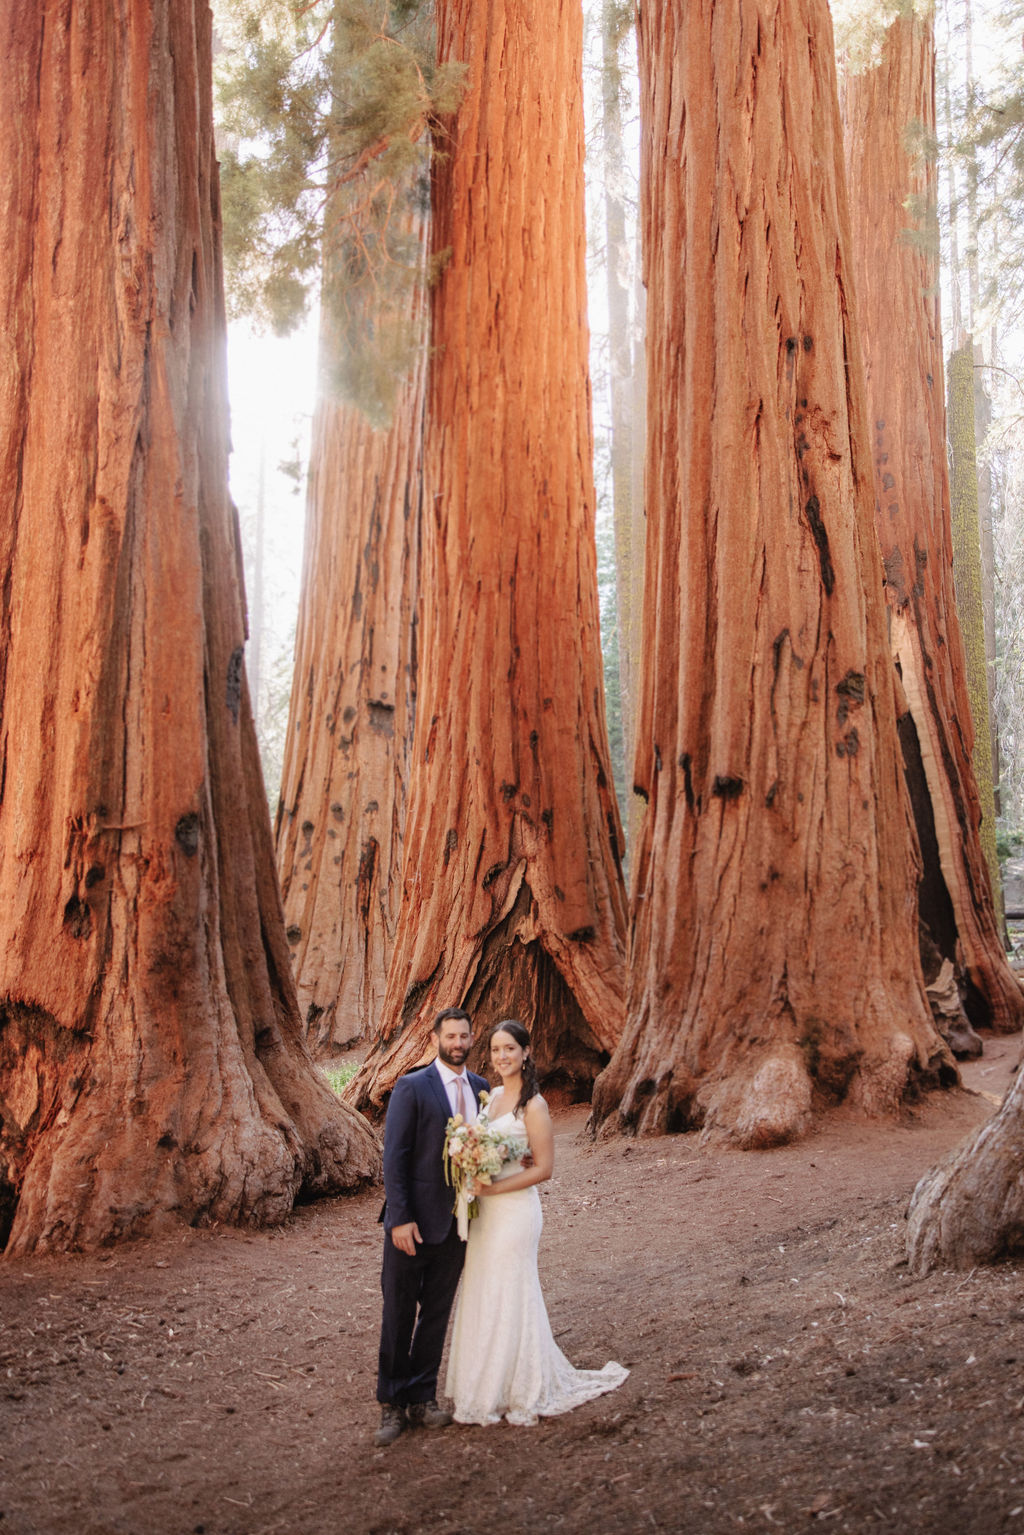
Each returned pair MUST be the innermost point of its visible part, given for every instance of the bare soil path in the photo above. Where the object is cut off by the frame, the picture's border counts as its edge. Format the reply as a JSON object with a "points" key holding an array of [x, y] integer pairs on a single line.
{"points": [[787, 1372]]}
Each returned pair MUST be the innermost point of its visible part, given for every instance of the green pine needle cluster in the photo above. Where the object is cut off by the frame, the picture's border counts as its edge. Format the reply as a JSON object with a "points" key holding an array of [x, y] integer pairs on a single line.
{"points": [[327, 112]]}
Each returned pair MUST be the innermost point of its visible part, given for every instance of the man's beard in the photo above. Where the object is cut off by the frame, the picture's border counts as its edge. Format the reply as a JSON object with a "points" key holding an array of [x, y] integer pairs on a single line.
{"points": [[453, 1056]]}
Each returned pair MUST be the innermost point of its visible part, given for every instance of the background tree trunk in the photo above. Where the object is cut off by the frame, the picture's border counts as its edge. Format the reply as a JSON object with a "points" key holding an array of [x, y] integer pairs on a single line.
{"points": [[970, 602], [897, 295], [150, 1060], [339, 823], [620, 360], [512, 900], [774, 961]]}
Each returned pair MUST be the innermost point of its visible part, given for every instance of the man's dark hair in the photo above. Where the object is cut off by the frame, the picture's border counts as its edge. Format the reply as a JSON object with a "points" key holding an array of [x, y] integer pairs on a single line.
{"points": [[451, 1012]]}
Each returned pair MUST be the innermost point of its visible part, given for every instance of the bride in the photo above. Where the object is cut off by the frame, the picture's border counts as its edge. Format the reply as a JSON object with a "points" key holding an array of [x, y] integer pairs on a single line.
{"points": [[504, 1361]]}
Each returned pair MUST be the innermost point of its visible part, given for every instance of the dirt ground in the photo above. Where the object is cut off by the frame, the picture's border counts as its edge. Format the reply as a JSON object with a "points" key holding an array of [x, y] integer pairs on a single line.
{"points": [[787, 1372]]}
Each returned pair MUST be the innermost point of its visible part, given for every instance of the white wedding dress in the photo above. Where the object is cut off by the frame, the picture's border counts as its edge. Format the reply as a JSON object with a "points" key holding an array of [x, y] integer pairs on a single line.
{"points": [[504, 1361]]}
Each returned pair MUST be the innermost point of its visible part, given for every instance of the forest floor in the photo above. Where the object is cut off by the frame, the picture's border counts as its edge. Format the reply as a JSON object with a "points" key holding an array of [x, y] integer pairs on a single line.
{"points": [[788, 1373]]}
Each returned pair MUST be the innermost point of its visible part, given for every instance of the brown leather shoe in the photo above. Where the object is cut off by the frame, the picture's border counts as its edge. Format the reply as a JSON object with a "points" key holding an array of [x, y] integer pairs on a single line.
{"points": [[427, 1415], [392, 1423]]}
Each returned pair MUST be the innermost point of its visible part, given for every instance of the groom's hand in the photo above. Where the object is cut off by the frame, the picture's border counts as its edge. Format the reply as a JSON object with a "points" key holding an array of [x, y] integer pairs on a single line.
{"points": [[405, 1238]]}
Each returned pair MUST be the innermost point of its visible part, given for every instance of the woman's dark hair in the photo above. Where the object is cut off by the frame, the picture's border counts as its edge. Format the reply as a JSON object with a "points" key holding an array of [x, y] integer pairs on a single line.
{"points": [[521, 1036]]}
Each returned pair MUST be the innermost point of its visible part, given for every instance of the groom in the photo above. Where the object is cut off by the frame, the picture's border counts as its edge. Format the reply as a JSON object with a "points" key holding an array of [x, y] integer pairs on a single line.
{"points": [[423, 1254]]}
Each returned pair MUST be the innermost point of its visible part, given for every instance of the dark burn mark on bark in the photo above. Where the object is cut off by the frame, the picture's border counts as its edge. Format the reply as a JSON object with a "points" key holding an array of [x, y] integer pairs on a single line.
{"points": [[685, 762], [508, 791], [583, 935], [727, 787], [186, 834], [920, 566], [93, 875], [657, 758], [849, 746], [548, 817], [492, 874], [808, 343], [852, 691], [641, 793], [234, 684], [293, 933], [820, 536], [613, 839], [769, 798], [790, 345], [381, 716], [365, 877], [888, 481], [451, 842], [77, 918], [338, 811], [534, 738]]}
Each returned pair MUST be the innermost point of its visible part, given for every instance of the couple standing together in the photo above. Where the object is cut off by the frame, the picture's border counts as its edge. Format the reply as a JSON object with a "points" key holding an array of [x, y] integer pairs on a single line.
{"points": [[504, 1361]]}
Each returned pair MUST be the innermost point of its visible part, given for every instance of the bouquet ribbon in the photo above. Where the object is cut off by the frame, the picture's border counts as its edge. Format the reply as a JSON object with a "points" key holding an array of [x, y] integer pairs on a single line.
{"points": [[462, 1204]]}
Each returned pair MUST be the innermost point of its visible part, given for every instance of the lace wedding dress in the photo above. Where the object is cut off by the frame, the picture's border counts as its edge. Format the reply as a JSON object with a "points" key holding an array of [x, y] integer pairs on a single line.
{"points": [[504, 1361]]}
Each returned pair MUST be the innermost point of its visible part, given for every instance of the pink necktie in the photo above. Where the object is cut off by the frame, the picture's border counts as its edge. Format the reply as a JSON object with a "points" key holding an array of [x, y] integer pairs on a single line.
{"points": [[462, 1098]]}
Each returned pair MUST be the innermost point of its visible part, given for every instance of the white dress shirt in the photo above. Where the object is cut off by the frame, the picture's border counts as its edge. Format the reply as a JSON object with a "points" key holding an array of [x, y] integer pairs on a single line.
{"points": [[450, 1079]]}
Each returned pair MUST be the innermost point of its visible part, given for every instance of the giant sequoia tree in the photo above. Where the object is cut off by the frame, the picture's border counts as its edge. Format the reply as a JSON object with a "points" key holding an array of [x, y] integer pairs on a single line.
{"points": [[885, 108], [339, 824], [774, 957], [512, 898], [150, 1059]]}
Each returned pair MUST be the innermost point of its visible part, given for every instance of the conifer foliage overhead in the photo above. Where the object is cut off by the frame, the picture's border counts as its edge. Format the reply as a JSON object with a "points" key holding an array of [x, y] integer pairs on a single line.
{"points": [[326, 117]]}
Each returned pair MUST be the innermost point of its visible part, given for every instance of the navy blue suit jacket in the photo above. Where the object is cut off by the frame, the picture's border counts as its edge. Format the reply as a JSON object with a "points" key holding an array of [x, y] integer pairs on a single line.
{"points": [[414, 1181]]}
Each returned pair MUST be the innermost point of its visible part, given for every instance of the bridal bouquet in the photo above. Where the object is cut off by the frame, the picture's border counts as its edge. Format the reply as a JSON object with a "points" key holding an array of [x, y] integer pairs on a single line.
{"points": [[473, 1154]]}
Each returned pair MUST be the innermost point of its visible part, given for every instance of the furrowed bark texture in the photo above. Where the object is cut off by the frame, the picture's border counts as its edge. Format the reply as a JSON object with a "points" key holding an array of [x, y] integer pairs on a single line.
{"points": [[339, 823], [897, 296], [151, 1067], [512, 900], [774, 957], [970, 1209]]}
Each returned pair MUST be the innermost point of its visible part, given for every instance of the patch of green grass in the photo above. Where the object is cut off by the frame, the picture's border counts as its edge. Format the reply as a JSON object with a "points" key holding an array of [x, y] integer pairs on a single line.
{"points": [[338, 1077]]}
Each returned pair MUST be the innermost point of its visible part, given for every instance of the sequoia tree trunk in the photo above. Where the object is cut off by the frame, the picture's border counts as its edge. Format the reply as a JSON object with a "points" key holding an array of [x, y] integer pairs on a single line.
{"points": [[966, 532], [970, 1209], [897, 296], [151, 1064], [512, 897], [774, 963], [620, 362], [342, 809]]}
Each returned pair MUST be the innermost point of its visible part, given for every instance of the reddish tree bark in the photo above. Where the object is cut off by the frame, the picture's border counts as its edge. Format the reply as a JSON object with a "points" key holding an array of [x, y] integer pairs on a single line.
{"points": [[339, 823], [512, 896], [774, 954], [970, 1209], [898, 306], [151, 1067]]}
